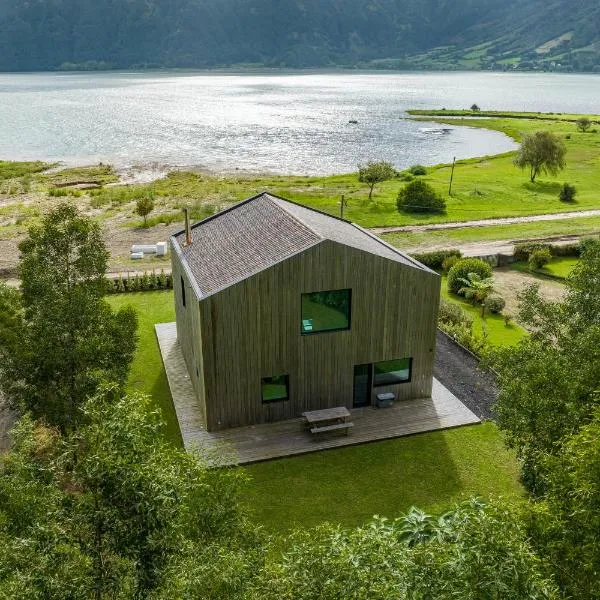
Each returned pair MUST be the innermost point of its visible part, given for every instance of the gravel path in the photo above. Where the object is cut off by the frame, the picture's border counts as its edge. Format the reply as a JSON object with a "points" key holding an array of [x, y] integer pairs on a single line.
{"points": [[579, 214], [460, 372]]}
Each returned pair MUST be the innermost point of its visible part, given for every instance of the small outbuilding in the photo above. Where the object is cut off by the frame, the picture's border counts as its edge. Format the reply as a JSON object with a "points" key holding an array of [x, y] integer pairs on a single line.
{"points": [[283, 309]]}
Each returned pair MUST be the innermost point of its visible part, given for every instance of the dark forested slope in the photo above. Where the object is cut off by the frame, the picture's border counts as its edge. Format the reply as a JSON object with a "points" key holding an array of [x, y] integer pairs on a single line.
{"points": [[51, 34]]}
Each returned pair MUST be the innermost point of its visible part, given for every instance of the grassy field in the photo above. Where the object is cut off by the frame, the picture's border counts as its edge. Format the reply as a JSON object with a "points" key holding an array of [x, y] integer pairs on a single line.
{"points": [[499, 334], [147, 372], [350, 485], [450, 238], [559, 267]]}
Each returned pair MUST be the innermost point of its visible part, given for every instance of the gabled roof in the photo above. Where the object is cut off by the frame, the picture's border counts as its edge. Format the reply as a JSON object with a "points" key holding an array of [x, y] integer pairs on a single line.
{"points": [[261, 232]]}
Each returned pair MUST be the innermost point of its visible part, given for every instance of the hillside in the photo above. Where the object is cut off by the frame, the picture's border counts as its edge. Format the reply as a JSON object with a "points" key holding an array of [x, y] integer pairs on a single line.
{"points": [[97, 34]]}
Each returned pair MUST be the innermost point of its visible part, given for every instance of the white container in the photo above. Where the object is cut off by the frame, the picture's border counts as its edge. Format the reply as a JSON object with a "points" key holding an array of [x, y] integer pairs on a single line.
{"points": [[137, 255], [146, 249], [161, 248]]}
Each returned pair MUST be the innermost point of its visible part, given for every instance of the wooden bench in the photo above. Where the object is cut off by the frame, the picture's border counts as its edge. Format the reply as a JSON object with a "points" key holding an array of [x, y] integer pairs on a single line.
{"points": [[334, 427], [328, 419]]}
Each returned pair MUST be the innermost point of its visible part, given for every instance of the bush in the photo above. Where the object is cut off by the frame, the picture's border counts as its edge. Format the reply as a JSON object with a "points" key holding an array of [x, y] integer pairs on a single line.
{"points": [[449, 263], [147, 282], [461, 270], [418, 170], [451, 313], [405, 177], [585, 243], [567, 193], [538, 258], [523, 251], [420, 197], [466, 337], [495, 304], [435, 260]]}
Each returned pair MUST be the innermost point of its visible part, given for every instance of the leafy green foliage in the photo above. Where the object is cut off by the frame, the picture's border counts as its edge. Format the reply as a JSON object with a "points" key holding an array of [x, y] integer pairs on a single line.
{"points": [[539, 258], [419, 197], [64, 338], [435, 260], [375, 172], [564, 523], [463, 268], [418, 170], [583, 124], [477, 289], [112, 510], [144, 206], [567, 193], [541, 152], [495, 304], [474, 551], [549, 382]]}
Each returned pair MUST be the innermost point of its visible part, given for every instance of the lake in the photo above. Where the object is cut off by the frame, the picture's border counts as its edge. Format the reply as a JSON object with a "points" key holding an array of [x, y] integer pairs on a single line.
{"points": [[296, 123]]}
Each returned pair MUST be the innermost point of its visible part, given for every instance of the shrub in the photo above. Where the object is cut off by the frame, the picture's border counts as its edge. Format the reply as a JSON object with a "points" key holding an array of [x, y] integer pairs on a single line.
{"points": [[449, 263], [405, 176], [420, 197], [587, 242], [418, 170], [583, 124], [461, 270], [495, 304], [538, 258], [522, 251], [465, 336], [567, 193], [451, 313], [147, 282], [435, 260]]}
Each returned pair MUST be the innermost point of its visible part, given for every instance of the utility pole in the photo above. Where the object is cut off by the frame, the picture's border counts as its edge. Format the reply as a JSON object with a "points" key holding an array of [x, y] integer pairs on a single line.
{"points": [[342, 206], [451, 177]]}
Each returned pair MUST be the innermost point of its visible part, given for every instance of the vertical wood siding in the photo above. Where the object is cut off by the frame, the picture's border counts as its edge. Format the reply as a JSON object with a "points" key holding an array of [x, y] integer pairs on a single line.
{"points": [[251, 330]]}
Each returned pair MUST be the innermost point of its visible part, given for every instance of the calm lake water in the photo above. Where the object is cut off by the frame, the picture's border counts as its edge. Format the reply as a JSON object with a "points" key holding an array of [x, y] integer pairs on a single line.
{"points": [[280, 123]]}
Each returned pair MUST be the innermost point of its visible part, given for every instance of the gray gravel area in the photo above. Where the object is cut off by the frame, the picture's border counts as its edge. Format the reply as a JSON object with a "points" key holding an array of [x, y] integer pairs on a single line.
{"points": [[459, 371]]}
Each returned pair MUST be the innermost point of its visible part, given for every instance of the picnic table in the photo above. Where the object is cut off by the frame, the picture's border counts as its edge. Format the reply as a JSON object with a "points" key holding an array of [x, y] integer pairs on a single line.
{"points": [[328, 419]]}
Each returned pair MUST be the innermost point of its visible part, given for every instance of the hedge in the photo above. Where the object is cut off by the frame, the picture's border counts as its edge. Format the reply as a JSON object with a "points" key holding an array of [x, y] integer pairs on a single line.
{"points": [[435, 260], [140, 283]]}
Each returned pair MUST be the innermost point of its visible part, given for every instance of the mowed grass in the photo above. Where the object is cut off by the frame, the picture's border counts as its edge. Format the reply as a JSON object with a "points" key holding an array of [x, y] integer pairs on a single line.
{"points": [[559, 267], [449, 238], [494, 326], [349, 485], [147, 372]]}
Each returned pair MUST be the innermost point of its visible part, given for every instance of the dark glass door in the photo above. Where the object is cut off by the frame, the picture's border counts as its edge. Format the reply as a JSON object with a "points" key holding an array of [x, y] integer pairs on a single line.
{"points": [[362, 385]]}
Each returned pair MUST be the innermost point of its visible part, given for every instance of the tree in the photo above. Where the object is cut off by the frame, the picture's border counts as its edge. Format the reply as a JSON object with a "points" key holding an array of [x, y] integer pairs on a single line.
{"points": [[477, 288], [419, 197], [567, 193], [541, 152], [549, 382], [62, 337], [114, 510], [583, 124], [473, 551], [564, 523], [375, 172], [143, 207]]}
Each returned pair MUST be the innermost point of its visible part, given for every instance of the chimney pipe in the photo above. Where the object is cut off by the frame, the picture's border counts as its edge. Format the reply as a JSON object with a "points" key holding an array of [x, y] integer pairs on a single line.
{"points": [[188, 233]]}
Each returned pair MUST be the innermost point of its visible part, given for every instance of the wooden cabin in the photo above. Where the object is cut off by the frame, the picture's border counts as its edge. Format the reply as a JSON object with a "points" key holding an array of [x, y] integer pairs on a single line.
{"points": [[283, 309]]}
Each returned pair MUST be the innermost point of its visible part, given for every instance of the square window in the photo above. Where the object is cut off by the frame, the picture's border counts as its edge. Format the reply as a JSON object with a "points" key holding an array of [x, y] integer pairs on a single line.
{"points": [[392, 372], [326, 311], [275, 389]]}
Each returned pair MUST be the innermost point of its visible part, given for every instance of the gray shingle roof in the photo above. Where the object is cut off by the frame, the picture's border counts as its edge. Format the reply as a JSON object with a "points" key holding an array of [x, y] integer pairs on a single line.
{"points": [[262, 231]]}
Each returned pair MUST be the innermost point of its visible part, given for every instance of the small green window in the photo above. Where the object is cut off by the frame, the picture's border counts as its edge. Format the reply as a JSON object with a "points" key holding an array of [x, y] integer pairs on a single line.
{"points": [[275, 388], [326, 311], [392, 372]]}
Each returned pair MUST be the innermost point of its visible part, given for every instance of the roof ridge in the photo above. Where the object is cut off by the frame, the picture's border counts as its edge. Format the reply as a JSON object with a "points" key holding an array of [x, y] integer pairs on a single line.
{"points": [[293, 216], [393, 248]]}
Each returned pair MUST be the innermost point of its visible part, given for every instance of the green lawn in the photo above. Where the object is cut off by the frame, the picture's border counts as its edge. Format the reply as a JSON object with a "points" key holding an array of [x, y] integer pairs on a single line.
{"points": [[499, 334], [349, 485], [147, 372], [450, 238], [559, 267]]}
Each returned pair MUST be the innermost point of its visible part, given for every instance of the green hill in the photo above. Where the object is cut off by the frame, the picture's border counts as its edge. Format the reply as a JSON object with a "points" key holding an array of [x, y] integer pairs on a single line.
{"points": [[96, 34]]}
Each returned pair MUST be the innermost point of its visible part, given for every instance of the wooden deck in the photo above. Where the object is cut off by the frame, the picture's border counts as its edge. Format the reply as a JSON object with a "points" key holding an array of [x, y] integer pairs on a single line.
{"points": [[256, 443]]}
